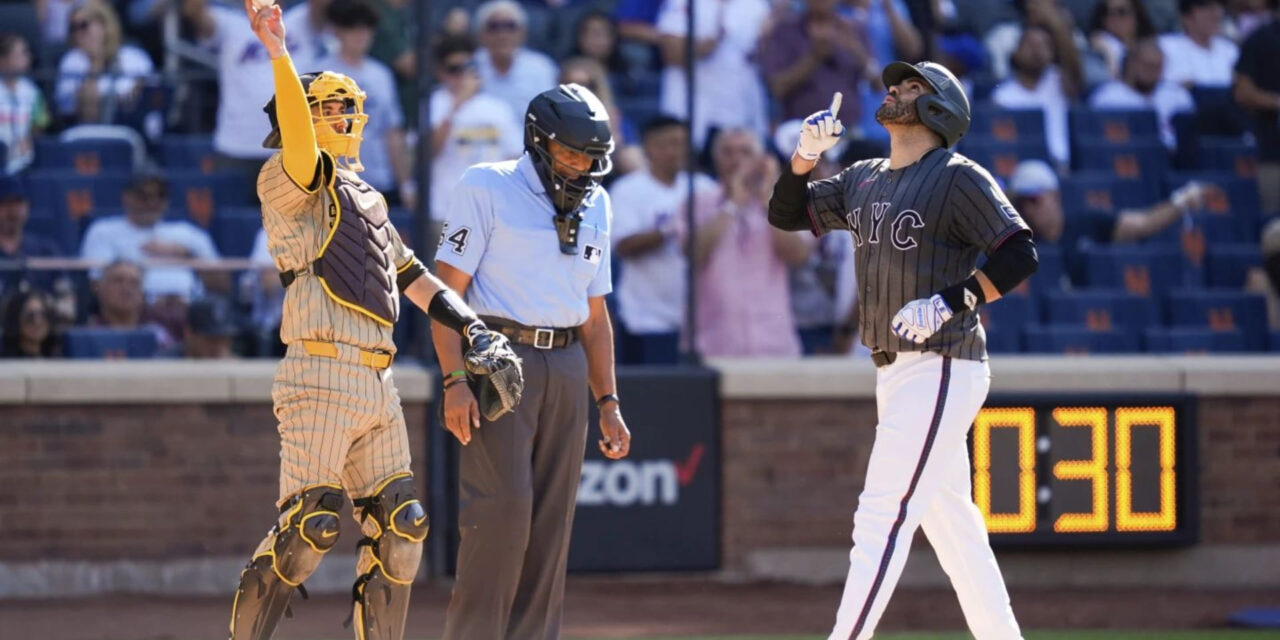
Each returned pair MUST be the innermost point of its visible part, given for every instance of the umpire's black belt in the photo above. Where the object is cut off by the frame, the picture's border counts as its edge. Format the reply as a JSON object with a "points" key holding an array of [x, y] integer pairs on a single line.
{"points": [[537, 337], [883, 358]]}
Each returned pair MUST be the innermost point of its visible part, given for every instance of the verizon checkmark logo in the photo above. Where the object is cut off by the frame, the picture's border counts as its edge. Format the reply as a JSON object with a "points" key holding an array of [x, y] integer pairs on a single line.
{"points": [[685, 471], [638, 482]]}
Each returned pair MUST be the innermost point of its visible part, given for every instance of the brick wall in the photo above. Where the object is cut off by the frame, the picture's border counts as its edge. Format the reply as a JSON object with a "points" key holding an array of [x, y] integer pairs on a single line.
{"points": [[793, 471], [105, 482]]}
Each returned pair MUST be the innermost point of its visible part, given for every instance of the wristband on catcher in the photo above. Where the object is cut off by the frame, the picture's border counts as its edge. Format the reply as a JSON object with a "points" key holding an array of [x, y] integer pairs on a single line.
{"points": [[448, 309], [460, 373], [454, 381]]}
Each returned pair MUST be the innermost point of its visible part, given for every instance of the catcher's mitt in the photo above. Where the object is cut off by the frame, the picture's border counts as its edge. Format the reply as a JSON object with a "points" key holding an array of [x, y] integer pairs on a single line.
{"points": [[496, 375]]}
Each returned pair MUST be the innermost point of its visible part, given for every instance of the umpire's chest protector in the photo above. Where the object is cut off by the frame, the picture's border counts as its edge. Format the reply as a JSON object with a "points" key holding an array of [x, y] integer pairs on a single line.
{"points": [[355, 264]]}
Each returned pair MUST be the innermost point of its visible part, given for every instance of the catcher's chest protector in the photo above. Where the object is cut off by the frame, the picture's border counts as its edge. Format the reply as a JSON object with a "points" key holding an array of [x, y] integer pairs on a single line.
{"points": [[355, 264]]}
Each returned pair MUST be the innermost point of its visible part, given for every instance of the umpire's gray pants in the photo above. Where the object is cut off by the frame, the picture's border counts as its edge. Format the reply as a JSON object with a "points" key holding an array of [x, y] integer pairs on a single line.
{"points": [[518, 485]]}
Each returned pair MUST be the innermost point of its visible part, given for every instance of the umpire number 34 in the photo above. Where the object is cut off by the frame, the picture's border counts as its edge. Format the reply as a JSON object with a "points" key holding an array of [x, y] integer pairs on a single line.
{"points": [[458, 239]]}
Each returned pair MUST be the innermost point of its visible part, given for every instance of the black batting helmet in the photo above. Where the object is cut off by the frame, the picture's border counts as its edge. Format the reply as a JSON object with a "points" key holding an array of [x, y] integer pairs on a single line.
{"points": [[574, 117], [946, 110]]}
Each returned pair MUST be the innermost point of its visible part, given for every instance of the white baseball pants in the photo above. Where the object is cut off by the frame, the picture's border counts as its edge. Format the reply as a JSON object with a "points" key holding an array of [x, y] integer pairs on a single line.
{"points": [[919, 475]]}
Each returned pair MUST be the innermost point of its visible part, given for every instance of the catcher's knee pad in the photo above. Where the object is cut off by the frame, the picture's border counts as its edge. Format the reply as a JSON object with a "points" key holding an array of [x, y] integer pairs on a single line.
{"points": [[307, 529], [395, 524]]}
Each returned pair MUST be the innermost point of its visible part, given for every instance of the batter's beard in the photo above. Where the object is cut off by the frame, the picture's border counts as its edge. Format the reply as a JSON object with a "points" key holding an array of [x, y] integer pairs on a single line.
{"points": [[898, 112]]}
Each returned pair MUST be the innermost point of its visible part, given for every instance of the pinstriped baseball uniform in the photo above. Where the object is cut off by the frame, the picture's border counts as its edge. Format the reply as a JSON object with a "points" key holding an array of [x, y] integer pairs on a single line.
{"points": [[340, 420], [915, 230]]}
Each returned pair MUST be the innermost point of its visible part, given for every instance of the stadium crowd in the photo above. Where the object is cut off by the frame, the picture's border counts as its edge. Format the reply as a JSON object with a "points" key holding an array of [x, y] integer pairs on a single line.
{"points": [[1140, 139]]}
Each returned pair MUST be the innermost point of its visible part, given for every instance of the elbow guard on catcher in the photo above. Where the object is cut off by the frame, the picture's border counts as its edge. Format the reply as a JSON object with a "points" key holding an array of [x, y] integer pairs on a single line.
{"points": [[448, 309]]}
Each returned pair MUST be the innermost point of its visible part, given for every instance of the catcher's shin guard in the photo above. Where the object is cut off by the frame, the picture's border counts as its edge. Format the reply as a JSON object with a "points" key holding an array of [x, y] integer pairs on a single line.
{"points": [[394, 524], [307, 529]]}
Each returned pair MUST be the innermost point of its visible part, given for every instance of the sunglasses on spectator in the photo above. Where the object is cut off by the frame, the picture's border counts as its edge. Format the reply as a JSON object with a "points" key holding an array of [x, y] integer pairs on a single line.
{"points": [[32, 316], [80, 25], [502, 25], [1120, 11], [460, 67]]}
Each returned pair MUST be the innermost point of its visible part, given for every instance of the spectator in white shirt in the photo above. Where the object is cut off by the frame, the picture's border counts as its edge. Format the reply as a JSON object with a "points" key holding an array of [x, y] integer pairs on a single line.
{"points": [[468, 126], [309, 23], [508, 70], [1199, 55], [1036, 83], [99, 71], [649, 208], [1051, 15], [1114, 26], [1143, 89], [730, 93], [383, 151], [244, 83], [142, 235]]}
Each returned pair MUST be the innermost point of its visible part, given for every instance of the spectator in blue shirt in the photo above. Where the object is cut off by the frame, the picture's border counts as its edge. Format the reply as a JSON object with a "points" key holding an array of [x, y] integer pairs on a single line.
{"points": [[17, 244]]}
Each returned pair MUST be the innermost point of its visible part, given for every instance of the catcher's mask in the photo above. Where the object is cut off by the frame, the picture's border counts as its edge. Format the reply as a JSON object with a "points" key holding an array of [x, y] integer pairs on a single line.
{"points": [[574, 117], [324, 87]]}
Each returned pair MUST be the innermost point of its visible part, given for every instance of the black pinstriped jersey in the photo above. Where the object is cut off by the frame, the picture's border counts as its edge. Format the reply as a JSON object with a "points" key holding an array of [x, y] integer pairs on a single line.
{"points": [[916, 230]]}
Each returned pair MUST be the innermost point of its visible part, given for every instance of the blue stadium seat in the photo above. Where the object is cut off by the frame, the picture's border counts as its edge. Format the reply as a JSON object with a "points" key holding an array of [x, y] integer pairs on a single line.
{"points": [[188, 153], [1007, 125], [1101, 191], [110, 343], [1002, 157], [1275, 340], [84, 157], [1192, 340], [1227, 264], [1221, 311], [1219, 153], [1145, 160], [1115, 126], [196, 196], [1005, 321], [406, 225], [1238, 202], [234, 230], [67, 194], [1102, 310], [4, 154], [1051, 271], [640, 109], [1140, 270], [147, 113], [1075, 339]]}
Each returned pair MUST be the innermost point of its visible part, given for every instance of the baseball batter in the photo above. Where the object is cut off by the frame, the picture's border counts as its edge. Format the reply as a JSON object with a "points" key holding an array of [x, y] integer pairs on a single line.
{"points": [[341, 428], [919, 221]]}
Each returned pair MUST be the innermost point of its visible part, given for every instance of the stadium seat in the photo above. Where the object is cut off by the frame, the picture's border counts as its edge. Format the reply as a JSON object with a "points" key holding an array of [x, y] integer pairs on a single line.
{"points": [[1237, 206], [1075, 339], [234, 230], [4, 154], [90, 343], [188, 153], [84, 157], [147, 113], [1002, 157], [1101, 191], [199, 196], [67, 194], [1050, 272], [1145, 160], [1221, 311], [1218, 153], [1115, 126], [1007, 125], [1192, 340], [1102, 310], [1275, 340], [1005, 321], [1227, 264], [1139, 270]]}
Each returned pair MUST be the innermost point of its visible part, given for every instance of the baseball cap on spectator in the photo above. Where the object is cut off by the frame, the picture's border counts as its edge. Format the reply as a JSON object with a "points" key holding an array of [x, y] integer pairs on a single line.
{"points": [[212, 316], [12, 189], [1032, 178]]}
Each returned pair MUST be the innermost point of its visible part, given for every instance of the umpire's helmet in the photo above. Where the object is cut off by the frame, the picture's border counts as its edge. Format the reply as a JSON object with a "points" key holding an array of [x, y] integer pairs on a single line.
{"points": [[574, 117], [946, 110]]}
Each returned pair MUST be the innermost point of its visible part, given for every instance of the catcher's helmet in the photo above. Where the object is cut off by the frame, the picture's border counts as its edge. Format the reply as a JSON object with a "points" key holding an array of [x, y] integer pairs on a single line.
{"points": [[946, 110], [574, 117], [322, 87]]}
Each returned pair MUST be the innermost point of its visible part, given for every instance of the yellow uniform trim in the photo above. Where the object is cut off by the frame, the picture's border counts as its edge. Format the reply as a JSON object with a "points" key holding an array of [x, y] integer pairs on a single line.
{"points": [[389, 479], [293, 114], [406, 265], [372, 359]]}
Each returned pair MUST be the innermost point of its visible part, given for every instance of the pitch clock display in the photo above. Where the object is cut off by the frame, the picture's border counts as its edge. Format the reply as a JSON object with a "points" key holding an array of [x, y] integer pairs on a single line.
{"points": [[1059, 471]]}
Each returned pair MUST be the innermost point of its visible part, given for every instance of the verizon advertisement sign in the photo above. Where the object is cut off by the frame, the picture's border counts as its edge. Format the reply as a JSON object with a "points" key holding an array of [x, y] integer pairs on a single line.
{"points": [[660, 506]]}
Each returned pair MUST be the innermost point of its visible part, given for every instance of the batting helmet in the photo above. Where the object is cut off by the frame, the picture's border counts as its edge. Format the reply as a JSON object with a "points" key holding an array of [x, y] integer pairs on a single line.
{"points": [[946, 110], [574, 117]]}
